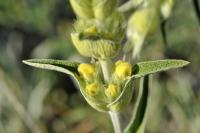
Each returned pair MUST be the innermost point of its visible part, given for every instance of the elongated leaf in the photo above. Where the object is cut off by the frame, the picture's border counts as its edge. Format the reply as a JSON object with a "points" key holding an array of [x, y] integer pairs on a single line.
{"points": [[196, 9], [149, 67], [137, 123], [70, 68], [63, 66]]}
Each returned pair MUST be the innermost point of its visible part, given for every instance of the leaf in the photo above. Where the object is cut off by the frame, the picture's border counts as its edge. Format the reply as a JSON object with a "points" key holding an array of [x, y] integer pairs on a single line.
{"points": [[137, 122], [196, 9], [144, 68], [63, 66], [70, 68]]}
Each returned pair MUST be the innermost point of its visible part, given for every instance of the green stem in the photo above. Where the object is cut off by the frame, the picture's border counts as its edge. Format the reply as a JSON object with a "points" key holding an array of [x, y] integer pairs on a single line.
{"points": [[106, 66], [116, 121]]}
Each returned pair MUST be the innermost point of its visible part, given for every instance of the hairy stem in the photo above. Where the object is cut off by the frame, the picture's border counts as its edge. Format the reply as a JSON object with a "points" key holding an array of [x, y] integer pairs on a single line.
{"points": [[116, 121], [106, 66]]}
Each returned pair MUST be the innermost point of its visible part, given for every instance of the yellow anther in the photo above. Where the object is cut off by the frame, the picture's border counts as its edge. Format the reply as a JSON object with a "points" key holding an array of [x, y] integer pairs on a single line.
{"points": [[111, 91], [92, 89], [87, 70], [123, 69]]}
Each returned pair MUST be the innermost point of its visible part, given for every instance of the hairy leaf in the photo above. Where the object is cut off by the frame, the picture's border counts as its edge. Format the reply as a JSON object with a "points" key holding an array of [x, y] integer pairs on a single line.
{"points": [[63, 66], [137, 122], [144, 68]]}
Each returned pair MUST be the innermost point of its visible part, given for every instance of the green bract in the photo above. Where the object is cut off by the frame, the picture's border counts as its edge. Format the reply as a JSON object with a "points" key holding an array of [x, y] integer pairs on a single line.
{"points": [[99, 101], [96, 35], [112, 27], [96, 48], [99, 39]]}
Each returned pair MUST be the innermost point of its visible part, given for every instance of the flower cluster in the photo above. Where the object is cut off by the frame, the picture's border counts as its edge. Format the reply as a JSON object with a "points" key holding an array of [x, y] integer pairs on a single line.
{"points": [[95, 34], [98, 32], [100, 92]]}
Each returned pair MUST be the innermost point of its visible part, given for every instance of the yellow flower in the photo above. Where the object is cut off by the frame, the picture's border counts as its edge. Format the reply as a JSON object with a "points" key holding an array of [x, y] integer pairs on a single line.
{"points": [[92, 89], [111, 91], [123, 69], [143, 22], [86, 70], [166, 8]]}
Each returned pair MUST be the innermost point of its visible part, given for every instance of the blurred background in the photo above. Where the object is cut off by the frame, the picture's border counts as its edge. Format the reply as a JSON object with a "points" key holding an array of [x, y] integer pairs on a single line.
{"points": [[40, 101]]}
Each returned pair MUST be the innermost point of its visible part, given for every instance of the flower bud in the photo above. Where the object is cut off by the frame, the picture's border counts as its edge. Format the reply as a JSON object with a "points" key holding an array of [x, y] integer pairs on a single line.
{"points": [[143, 22], [103, 8], [111, 91], [92, 89], [82, 8], [87, 71], [166, 8], [123, 69], [93, 46]]}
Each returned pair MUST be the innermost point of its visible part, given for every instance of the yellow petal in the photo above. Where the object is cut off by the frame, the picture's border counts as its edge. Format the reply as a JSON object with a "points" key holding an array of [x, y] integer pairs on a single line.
{"points": [[111, 91], [92, 89], [123, 69], [86, 70]]}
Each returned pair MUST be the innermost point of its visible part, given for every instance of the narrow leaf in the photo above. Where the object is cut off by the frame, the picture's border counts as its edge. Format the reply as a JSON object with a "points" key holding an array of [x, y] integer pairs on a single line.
{"points": [[63, 66], [137, 122], [144, 68], [196, 9]]}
